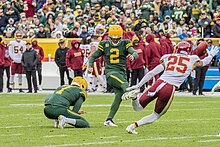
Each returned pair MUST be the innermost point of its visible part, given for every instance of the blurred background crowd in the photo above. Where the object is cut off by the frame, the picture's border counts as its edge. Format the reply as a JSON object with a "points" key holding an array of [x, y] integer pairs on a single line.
{"points": [[84, 18]]}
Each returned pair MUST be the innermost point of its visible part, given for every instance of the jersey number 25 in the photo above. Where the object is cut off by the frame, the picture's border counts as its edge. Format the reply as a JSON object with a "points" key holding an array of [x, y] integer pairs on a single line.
{"points": [[176, 63]]}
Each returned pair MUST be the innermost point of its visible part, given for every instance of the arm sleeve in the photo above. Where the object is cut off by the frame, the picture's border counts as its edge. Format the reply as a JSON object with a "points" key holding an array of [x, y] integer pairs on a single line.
{"points": [[159, 68], [68, 56], [56, 58], [215, 32], [22, 60], [94, 56], [78, 105], [36, 59], [10, 51], [132, 51], [206, 60], [42, 54]]}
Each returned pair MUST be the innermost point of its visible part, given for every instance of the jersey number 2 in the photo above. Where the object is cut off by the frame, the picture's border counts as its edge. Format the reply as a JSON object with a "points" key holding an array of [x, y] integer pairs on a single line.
{"points": [[114, 57], [176, 63]]}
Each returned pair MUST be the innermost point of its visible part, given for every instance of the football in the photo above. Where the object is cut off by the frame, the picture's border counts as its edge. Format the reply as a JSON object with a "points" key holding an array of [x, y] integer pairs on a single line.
{"points": [[201, 49]]}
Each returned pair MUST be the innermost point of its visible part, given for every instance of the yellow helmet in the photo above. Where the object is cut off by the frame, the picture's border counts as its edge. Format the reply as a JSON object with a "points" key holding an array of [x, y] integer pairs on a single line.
{"points": [[80, 82], [115, 31]]}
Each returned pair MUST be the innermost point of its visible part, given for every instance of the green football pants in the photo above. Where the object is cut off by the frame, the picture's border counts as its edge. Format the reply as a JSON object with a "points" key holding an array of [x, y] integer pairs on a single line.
{"points": [[119, 84], [53, 112]]}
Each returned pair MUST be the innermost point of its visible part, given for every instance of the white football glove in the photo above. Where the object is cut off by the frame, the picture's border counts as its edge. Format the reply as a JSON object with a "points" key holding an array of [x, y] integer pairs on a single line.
{"points": [[132, 88], [213, 51]]}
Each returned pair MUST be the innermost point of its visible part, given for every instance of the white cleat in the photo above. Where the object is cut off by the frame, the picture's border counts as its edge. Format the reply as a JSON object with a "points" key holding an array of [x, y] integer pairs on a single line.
{"points": [[40, 88], [110, 123], [56, 123], [130, 95], [131, 129], [62, 122], [217, 86]]}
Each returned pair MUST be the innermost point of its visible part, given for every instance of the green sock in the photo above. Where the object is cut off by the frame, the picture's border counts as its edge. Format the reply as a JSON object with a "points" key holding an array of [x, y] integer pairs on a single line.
{"points": [[115, 105]]}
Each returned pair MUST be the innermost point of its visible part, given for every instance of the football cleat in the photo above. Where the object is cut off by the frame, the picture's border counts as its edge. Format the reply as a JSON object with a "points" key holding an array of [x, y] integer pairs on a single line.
{"points": [[131, 129], [40, 88], [62, 122], [217, 86], [110, 123], [130, 95], [56, 123]]}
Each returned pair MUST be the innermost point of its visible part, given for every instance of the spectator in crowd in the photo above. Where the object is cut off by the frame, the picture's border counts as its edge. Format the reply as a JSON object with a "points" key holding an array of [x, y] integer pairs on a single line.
{"points": [[29, 62], [60, 59], [31, 4], [11, 12], [40, 53], [166, 9], [205, 25], [42, 33], [75, 58], [3, 21], [216, 28]]}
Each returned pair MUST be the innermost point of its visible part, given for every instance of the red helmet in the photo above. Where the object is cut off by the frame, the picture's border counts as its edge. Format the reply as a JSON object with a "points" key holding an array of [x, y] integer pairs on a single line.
{"points": [[183, 47]]}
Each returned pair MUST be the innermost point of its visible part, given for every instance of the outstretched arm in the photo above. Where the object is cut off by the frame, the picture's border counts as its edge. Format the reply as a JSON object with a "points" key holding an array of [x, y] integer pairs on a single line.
{"points": [[147, 77], [207, 59]]}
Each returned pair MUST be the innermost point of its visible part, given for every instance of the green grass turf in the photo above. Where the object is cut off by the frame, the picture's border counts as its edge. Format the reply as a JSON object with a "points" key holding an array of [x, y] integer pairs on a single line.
{"points": [[190, 122]]}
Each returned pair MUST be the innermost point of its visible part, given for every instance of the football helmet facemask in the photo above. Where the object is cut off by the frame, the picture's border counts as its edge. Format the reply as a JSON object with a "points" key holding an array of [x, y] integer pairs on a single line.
{"points": [[115, 33], [183, 48]]}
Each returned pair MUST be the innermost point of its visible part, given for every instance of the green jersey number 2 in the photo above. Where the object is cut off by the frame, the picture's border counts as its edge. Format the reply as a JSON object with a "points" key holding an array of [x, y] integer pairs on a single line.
{"points": [[114, 57]]}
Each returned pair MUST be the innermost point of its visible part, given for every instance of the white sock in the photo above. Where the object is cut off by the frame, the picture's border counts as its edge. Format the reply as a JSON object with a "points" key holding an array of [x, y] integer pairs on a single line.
{"points": [[12, 79], [20, 80], [70, 121], [136, 105], [148, 119]]}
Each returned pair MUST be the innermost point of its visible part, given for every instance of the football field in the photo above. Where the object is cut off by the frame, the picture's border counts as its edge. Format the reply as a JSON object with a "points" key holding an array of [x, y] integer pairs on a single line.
{"points": [[190, 122]]}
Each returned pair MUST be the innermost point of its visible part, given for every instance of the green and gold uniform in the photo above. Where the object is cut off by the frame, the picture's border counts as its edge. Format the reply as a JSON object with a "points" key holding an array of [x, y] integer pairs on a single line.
{"points": [[60, 101], [115, 70]]}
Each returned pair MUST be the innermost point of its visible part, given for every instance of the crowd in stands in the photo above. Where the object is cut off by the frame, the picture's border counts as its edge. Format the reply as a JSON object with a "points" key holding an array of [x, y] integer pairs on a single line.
{"points": [[84, 18]]}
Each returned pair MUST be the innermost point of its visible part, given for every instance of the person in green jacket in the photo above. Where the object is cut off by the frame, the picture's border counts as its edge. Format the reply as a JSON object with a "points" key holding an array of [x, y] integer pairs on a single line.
{"points": [[57, 105], [115, 51]]}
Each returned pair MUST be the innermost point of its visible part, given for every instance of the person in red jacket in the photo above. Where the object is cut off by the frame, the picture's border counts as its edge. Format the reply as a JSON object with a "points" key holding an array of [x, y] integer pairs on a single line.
{"points": [[7, 65], [2, 62], [137, 66], [153, 50], [40, 53], [74, 58]]}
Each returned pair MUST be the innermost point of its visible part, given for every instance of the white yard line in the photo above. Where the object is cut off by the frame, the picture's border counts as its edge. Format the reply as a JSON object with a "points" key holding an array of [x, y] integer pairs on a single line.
{"points": [[216, 140], [8, 135], [128, 141], [52, 136], [107, 137]]}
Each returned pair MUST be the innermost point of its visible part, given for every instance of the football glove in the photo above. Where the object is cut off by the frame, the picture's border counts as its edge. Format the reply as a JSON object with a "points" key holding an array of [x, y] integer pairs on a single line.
{"points": [[132, 88], [213, 51]]}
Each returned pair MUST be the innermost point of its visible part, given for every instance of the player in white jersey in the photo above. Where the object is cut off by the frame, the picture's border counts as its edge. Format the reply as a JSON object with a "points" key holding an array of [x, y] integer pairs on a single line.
{"points": [[177, 68], [16, 49]]}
